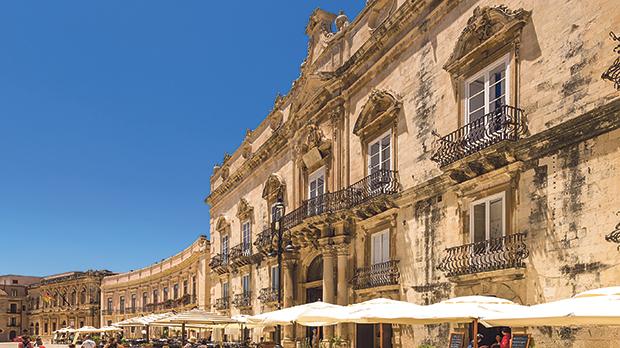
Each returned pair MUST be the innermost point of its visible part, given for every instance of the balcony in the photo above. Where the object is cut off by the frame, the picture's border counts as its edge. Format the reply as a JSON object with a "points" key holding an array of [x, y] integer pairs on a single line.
{"points": [[362, 199], [377, 275], [268, 295], [240, 255], [490, 255], [503, 124], [222, 304], [219, 263], [243, 300]]}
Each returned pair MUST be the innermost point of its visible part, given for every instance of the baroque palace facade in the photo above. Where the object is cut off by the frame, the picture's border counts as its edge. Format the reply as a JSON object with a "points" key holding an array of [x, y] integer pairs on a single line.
{"points": [[180, 282], [13, 305], [431, 149], [62, 300]]}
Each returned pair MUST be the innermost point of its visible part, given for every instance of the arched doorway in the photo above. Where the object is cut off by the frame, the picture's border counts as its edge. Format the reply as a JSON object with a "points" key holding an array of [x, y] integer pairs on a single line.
{"points": [[12, 335], [314, 289]]}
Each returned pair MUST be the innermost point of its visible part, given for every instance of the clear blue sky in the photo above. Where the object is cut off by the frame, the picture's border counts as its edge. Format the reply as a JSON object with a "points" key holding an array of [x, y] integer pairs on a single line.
{"points": [[113, 113]]}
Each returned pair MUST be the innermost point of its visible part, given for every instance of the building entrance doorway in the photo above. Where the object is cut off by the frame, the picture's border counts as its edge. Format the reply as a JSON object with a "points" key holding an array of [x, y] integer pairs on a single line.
{"points": [[12, 335], [314, 293], [373, 336]]}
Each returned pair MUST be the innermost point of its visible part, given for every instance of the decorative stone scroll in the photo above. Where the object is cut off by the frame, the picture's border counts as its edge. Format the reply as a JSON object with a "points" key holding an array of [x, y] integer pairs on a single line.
{"points": [[488, 30], [274, 188], [221, 223], [381, 109], [380, 11], [613, 72], [244, 210]]}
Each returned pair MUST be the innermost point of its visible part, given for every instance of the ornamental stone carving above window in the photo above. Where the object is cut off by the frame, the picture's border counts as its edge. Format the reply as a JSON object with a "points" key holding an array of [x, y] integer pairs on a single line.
{"points": [[274, 188], [244, 210], [488, 30], [380, 110]]}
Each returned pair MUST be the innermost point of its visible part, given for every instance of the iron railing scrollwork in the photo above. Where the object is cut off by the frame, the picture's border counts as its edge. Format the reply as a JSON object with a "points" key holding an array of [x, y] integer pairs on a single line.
{"points": [[240, 254], [613, 72], [614, 236], [379, 274], [219, 261], [222, 303], [268, 295], [242, 300], [490, 255], [504, 123]]}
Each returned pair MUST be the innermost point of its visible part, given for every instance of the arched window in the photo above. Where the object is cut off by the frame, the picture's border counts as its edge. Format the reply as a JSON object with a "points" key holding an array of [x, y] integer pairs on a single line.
{"points": [[315, 270]]}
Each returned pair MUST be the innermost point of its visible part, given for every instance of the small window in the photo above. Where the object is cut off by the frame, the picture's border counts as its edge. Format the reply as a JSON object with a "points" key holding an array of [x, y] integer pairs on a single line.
{"points": [[155, 296], [225, 248], [245, 283], [316, 189], [379, 153], [275, 282], [246, 238], [166, 293], [194, 291], [225, 293], [15, 281], [175, 291], [133, 302], [145, 299], [14, 292], [380, 247], [109, 305], [487, 91], [122, 304], [185, 288], [487, 220]]}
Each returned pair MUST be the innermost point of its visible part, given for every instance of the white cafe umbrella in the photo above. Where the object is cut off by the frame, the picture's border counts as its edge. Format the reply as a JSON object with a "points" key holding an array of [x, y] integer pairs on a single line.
{"points": [[594, 307], [466, 309], [195, 317], [291, 315], [110, 329], [380, 310], [87, 329]]}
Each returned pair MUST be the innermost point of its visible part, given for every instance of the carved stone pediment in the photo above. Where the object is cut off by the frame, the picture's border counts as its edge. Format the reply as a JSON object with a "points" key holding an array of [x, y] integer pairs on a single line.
{"points": [[488, 29], [311, 145], [274, 188], [221, 224], [244, 210], [380, 109]]}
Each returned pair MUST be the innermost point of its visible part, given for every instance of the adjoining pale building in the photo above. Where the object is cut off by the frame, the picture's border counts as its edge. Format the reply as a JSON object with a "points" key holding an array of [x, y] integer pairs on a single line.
{"points": [[13, 305], [431, 149], [69, 299], [180, 282]]}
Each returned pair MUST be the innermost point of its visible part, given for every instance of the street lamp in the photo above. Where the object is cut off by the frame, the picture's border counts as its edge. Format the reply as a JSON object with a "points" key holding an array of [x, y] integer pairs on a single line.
{"points": [[278, 233]]}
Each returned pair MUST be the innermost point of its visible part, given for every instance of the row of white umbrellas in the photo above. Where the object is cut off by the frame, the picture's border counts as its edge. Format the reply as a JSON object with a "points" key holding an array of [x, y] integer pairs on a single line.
{"points": [[595, 307], [88, 329]]}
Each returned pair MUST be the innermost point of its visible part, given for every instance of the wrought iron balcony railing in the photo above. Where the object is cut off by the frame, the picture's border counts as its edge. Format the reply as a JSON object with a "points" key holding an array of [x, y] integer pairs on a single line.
{"points": [[222, 303], [504, 123], [241, 254], [242, 300], [219, 263], [380, 183], [268, 295], [490, 255], [379, 274]]}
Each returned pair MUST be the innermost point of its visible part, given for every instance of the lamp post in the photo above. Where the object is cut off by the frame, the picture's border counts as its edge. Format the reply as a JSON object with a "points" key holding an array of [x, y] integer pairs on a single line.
{"points": [[278, 234]]}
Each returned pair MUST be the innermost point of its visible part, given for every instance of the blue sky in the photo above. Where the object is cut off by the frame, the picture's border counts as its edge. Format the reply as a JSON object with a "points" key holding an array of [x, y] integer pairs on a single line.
{"points": [[112, 114]]}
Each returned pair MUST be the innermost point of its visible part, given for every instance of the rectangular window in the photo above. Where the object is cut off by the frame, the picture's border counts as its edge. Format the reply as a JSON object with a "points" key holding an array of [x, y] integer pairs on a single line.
{"points": [[133, 302], [380, 247], [488, 216], [316, 189], [14, 292], [53, 326], [245, 284], [380, 153], [122, 304], [45, 328], [275, 282], [175, 291], [225, 290], [109, 305], [166, 293], [246, 238], [275, 214], [194, 291], [13, 308], [145, 300], [225, 249], [155, 296], [185, 289]]}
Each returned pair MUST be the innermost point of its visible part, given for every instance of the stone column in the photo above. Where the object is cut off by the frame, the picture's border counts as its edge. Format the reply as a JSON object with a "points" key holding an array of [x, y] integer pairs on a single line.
{"points": [[327, 249], [342, 251], [288, 268]]}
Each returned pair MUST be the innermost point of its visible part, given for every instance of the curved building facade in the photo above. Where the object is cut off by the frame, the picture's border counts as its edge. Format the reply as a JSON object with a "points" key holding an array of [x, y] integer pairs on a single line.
{"points": [[177, 283]]}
